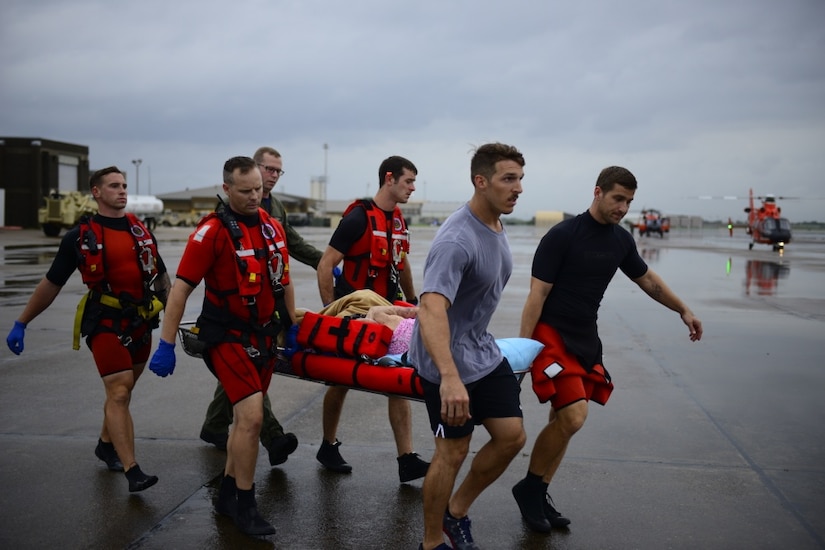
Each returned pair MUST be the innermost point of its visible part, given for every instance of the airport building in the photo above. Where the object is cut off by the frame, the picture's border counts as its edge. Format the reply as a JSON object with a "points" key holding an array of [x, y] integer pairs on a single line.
{"points": [[33, 168]]}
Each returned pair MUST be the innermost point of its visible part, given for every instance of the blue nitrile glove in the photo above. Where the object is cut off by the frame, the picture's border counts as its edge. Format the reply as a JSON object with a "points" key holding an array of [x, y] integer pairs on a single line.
{"points": [[336, 272], [291, 341], [163, 361], [15, 337]]}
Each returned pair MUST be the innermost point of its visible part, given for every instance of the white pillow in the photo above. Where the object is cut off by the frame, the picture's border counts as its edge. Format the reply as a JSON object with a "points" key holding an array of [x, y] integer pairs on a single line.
{"points": [[520, 352]]}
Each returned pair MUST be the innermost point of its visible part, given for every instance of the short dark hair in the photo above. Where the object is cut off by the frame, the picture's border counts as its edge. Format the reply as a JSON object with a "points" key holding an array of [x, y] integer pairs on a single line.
{"points": [[486, 156], [259, 154], [396, 166], [97, 178], [615, 175], [244, 164]]}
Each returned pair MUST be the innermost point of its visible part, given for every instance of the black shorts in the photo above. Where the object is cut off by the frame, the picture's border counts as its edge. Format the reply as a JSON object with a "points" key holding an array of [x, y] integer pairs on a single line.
{"points": [[494, 396]]}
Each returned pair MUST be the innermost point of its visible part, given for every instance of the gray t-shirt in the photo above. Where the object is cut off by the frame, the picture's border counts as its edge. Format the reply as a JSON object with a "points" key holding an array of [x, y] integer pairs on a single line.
{"points": [[468, 264]]}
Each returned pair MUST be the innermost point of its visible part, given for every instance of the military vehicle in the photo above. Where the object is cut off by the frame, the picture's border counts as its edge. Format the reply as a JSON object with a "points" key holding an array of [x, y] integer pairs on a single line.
{"points": [[62, 210]]}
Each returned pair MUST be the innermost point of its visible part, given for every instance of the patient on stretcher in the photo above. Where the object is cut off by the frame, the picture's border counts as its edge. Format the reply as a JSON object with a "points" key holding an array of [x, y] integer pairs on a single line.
{"points": [[400, 319]]}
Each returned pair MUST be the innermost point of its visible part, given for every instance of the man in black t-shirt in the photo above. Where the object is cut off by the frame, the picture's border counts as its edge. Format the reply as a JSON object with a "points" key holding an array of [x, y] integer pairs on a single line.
{"points": [[372, 241], [572, 267]]}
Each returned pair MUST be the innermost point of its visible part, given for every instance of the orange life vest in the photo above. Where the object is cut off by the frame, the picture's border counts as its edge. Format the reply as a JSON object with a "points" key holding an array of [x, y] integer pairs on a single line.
{"points": [[249, 279], [377, 257], [92, 266]]}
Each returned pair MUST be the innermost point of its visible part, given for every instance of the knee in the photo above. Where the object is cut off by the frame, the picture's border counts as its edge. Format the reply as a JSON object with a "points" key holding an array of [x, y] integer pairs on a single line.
{"points": [[513, 444], [119, 395], [250, 421], [453, 457], [572, 421]]}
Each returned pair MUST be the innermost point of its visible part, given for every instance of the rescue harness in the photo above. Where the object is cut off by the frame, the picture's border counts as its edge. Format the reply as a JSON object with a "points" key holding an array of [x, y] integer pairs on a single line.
{"points": [[217, 324], [100, 302]]}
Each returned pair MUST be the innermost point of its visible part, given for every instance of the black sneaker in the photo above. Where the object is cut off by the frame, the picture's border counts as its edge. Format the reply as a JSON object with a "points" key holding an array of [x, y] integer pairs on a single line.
{"points": [[531, 506], [138, 481], [227, 501], [218, 440], [250, 522], [281, 447], [458, 531], [410, 467], [553, 516], [331, 458], [106, 452]]}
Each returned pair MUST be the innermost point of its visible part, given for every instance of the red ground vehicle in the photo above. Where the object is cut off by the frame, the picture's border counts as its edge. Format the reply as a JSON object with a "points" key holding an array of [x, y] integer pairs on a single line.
{"points": [[652, 221]]}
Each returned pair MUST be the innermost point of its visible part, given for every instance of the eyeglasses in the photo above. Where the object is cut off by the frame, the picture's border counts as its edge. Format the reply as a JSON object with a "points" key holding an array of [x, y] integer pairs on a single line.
{"points": [[272, 170]]}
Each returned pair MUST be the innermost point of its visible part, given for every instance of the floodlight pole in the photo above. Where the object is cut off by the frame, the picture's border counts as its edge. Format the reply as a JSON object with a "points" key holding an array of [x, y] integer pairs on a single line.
{"points": [[137, 163]]}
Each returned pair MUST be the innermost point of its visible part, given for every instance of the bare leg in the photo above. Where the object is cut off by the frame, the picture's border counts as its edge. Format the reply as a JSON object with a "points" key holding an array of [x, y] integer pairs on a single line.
{"points": [[551, 443], [400, 414], [507, 438], [333, 404], [117, 420], [242, 447], [438, 485]]}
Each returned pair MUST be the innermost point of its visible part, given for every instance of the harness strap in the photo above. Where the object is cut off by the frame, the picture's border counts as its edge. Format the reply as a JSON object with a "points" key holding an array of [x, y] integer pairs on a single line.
{"points": [[145, 313]]}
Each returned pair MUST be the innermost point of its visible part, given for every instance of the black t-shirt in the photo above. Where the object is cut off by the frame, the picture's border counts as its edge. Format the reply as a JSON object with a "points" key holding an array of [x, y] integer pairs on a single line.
{"points": [[579, 257]]}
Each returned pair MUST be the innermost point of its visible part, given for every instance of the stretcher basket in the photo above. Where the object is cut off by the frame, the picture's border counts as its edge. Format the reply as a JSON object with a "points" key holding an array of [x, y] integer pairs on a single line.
{"points": [[188, 335]]}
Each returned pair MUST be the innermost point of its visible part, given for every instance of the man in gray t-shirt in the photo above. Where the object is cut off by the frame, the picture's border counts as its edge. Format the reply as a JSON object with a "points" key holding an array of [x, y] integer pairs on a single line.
{"points": [[468, 264], [466, 380]]}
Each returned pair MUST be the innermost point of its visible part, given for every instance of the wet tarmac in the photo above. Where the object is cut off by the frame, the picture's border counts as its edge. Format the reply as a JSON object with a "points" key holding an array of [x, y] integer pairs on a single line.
{"points": [[716, 444]]}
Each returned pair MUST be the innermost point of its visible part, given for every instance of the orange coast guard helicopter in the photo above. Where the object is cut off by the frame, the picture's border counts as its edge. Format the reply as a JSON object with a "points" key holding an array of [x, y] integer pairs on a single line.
{"points": [[766, 225]]}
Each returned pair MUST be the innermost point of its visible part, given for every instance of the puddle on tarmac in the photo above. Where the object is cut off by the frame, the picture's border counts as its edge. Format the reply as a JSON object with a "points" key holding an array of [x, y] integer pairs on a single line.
{"points": [[29, 254]]}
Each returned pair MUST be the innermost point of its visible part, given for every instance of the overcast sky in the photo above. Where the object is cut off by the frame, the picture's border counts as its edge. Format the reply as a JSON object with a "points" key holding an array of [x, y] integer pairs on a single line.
{"points": [[706, 97]]}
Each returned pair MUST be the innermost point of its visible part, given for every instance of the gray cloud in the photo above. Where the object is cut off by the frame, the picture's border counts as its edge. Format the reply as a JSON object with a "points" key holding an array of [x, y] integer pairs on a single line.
{"points": [[697, 98]]}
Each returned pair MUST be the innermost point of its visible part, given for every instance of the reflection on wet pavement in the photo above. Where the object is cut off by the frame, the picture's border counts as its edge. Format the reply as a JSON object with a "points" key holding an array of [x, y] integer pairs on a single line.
{"points": [[763, 277]]}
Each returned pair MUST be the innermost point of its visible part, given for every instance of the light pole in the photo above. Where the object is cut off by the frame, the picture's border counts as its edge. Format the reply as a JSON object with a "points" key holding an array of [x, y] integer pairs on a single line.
{"points": [[137, 163], [324, 192]]}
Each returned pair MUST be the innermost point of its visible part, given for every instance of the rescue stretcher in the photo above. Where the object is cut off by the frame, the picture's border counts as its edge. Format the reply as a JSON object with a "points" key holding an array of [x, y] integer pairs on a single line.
{"points": [[386, 375]]}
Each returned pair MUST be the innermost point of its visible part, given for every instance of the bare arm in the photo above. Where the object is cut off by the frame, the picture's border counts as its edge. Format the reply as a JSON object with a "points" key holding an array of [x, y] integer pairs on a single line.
{"points": [[539, 290], [326, 283], [406, 281], [655, 287], [435, 332], [42, 297], [173, 312], [391, 316], [161, 287], [289, 301]]}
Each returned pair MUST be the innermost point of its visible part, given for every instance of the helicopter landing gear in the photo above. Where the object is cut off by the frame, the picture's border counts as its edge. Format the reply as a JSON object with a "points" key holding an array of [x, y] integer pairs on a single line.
{"points": [[750, 246]]}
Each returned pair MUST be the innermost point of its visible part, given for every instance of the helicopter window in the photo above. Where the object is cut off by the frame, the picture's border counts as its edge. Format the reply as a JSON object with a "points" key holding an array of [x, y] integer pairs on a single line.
{"points": [[784, 224]]}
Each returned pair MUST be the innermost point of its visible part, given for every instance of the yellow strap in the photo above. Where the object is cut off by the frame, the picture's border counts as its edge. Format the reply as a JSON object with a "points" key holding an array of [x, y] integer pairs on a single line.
{"points": [[78, 320], [153, 310], [110, 301], [146, 312]]}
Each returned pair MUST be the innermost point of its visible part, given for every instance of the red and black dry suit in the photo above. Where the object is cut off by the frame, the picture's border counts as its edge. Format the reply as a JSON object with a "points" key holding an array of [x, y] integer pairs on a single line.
{"points": [[118, 260], [244, 263]]}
